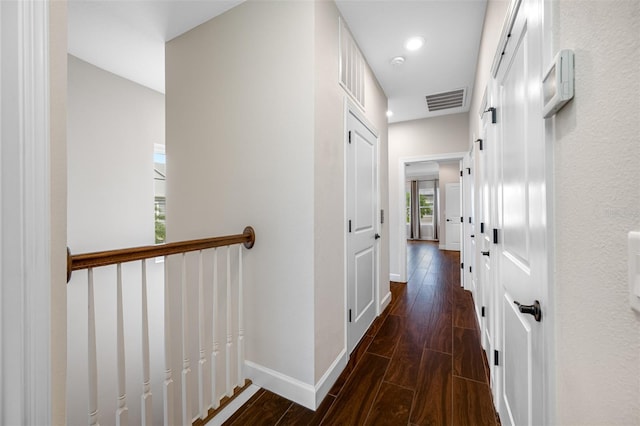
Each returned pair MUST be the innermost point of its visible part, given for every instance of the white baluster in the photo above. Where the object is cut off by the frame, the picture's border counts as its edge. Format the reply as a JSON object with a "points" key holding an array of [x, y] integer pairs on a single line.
{"points": [[215, 401], [122, 412], [186, 368], [203, 360], [167, 390], [92, 370], [229, 335], [147, 413], [240, 321]]}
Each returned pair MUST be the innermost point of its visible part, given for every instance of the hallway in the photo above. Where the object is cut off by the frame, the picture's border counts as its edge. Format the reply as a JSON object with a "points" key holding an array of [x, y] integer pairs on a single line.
{"points": [[420, 362]]}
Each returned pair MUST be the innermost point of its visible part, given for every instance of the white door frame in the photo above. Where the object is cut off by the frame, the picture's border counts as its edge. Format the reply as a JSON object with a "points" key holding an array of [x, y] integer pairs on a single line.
{"points": [[351, 108], [25, 221], [402, 229]]}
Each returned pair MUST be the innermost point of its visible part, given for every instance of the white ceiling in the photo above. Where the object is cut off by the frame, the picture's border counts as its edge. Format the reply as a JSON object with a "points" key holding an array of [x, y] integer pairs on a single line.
{"points": [[127, 37]]}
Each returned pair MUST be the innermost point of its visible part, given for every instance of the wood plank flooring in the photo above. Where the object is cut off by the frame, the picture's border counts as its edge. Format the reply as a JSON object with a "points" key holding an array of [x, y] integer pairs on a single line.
{"points": [[420, 362]]}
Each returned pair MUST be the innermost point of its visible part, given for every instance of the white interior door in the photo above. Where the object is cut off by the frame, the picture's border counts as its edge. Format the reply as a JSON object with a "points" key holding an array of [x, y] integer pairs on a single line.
{"points": [[452, 214], [521, 248], [468, 225], [362, 207]]}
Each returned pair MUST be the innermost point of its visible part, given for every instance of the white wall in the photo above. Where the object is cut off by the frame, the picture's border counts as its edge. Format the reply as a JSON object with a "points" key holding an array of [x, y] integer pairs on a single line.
{"points": [[240, 131], [328, 193], [112, 126], [261, 132], [329, 152], [494, 18], [418, 138], [597, 201]]}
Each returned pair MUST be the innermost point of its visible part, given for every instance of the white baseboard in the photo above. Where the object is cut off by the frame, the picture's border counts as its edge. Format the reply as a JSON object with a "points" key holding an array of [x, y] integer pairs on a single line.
{"points": [[293, 389], [330, 376], [385, 301], [394, 277], [233, 406], [442, 246], [285, 386]]}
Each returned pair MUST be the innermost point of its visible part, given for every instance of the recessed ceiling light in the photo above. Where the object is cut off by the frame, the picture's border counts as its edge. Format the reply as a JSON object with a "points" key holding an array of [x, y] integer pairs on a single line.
{"points": [[389, 113], [398, 60], [414, 43]]}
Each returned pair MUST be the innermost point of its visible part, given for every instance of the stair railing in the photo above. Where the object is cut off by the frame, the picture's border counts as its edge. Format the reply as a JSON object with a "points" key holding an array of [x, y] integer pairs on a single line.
{"points": [[206, 409]]}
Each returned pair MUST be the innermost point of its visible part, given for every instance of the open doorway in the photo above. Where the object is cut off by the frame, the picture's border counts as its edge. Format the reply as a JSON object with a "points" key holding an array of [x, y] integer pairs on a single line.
{"points": [[443, 168], [422, 201]]}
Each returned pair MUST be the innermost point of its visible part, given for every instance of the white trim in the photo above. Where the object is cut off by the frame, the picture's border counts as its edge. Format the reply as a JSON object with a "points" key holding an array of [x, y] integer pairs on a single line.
{"points": [[394, 277], [385, 301], [25, 284], [330, 377], [402, 234], [233, 406], [285, 386], [293, 389]]}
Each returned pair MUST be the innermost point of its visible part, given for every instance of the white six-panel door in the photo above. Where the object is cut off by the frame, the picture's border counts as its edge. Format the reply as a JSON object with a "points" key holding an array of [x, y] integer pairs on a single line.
{"points": [[362, 207]]}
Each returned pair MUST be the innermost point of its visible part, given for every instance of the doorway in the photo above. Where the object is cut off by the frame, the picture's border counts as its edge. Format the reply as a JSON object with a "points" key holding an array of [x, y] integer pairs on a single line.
{"points": [[448, 171], [422, 194]]}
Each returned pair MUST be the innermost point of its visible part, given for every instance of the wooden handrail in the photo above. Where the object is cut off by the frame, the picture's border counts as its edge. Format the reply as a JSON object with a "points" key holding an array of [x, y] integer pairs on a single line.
{"points": [[111, 257]]}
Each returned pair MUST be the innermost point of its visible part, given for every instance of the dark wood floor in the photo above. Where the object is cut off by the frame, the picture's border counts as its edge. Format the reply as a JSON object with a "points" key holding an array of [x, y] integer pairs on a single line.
{"points": [[420, 362]]}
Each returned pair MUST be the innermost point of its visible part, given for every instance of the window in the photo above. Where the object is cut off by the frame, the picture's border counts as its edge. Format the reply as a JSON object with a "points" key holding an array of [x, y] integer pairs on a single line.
{"points": [[426, 207], [159, 178]]}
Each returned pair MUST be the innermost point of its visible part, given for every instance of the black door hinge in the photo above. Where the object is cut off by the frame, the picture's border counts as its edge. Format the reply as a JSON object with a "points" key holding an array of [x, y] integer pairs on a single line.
{"points": [[461, 219], [460, 173], [349, 225], [462, 266], [495, 358], [349, 315], [468, 170], [493, 115], [482, 227], [480, 141], [495, 236], [483, 311], [469, 219], [349, 136], [470, 269]]}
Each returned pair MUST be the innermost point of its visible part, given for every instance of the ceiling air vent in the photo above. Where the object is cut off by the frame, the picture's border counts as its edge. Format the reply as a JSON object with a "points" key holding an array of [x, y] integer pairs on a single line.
{"points": [[446, 100]]}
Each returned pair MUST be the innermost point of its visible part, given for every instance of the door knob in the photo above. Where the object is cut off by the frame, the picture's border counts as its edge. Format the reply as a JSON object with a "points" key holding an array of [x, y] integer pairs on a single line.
{"points": [[486, 253], [472, 236], [377, 236], [531, 309], [448, 220]]}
